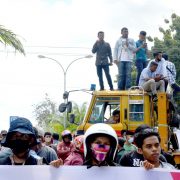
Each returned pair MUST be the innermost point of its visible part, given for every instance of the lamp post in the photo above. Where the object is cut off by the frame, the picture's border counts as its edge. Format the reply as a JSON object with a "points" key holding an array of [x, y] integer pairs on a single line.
{"points": [[64, 71]]}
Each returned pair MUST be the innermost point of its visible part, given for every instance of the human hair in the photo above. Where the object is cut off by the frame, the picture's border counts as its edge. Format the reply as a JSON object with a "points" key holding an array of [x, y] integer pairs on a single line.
{"points": [[115, 112], [100, 32], [156, 53], [121, 141], [165, 56], [143, 33], [47, 133], [153, 63], [141, 128], [124, 28], [55, 136], [141, 136]]}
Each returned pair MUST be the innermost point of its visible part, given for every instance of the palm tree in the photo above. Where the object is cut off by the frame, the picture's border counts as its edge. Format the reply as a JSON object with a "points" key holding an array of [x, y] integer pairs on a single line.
{"points": [[7, 37], [79, 111]]}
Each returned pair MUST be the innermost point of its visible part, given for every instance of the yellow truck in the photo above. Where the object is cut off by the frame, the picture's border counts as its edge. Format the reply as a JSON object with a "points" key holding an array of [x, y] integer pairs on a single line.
{"points": [[136, 107]]}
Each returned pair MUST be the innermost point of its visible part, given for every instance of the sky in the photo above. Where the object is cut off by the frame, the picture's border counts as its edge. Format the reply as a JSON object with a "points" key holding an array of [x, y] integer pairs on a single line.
{"points": [[65, 30]]}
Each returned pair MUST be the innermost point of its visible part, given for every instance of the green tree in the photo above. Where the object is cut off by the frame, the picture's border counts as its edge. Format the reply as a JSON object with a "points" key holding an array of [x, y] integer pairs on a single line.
{"points": [[49, 118], [7, 37], [170, 43]]}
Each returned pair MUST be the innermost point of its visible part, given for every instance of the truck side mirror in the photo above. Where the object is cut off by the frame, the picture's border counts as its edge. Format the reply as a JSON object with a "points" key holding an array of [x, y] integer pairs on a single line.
{"points": [[62, 107], [72, 118], [69, 107]]}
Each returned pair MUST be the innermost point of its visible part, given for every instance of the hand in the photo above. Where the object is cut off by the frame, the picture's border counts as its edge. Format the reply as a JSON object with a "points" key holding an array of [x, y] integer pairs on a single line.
{"points": [[158, 78], [116, 62], [147, 165], [110, 64], [144, 45], [56, 163]]}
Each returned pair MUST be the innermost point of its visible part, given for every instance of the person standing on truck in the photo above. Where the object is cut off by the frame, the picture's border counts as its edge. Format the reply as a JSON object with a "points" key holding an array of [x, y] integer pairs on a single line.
{"points": [[141, 54], [171, 74], [150, 81], [100, 145], [103, 52], [123, 57]]}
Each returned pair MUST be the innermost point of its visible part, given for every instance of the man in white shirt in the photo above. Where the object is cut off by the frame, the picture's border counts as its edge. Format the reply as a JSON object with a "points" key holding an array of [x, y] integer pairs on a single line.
{"points": [[123, 56], [151, 81], [161, 69]]}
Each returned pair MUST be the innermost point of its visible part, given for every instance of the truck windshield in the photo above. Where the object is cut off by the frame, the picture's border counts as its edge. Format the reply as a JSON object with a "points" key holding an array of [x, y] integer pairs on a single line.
{"points": [[103, 109]]}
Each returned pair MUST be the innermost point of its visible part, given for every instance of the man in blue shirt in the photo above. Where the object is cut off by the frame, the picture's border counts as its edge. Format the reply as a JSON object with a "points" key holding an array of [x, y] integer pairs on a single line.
{"points": [[141, 54]]}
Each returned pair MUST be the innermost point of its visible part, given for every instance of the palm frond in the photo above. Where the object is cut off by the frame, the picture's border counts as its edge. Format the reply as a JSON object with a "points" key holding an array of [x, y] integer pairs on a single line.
{"points": [[7, 37]]}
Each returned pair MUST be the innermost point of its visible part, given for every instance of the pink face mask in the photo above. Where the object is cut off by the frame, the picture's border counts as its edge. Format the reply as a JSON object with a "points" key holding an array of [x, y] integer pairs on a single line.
{"points": [[100, 151]]}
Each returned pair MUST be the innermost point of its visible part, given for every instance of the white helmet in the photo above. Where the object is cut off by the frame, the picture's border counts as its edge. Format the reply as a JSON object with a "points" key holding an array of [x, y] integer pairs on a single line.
{"points": [[100, 129]]}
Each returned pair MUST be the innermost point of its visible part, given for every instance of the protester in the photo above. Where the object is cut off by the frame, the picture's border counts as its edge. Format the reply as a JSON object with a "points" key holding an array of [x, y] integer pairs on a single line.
{"points": [[115, 117], [141, 54], [55, 138], [120, 150], [42, 150], [171, 74], [3, 134], [19, 139], [128, 145], [123, 57], [65, 147], [103, 52], [150, 81], [134, 158], [55, 141], [48, 140], [100, 145], [77, 156], [148, 142]]}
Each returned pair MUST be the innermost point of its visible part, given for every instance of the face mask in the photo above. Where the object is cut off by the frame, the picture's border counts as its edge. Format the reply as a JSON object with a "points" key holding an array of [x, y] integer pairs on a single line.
{"points": [[47, 139], [19, 146], [100, 151], [131, 140]]}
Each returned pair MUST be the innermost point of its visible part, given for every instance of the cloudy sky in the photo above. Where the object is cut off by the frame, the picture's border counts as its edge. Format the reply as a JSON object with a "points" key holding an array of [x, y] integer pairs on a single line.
{"points": [[65, 30]]}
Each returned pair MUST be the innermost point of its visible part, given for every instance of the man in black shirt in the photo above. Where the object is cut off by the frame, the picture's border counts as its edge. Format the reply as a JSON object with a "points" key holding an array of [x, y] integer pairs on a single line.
{"points": [[103, 51]]}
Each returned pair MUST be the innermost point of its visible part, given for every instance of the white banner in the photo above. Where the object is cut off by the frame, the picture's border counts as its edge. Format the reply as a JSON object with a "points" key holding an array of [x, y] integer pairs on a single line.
{"points": [[82, 173]]}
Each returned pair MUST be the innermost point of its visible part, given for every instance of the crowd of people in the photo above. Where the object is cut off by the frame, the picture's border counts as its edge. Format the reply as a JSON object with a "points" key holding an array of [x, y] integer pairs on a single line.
{"points": [[23, 144], [152, 76]]}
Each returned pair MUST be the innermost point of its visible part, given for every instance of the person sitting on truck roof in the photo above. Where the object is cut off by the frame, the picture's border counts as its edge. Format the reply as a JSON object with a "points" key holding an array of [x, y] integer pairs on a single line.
{"points": [[115, 118], [100, 145], [151, 81], [148, 143]]}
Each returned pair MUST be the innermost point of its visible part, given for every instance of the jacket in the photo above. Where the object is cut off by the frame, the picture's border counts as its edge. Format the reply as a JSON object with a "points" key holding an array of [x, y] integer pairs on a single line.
{"points": [[75, 158], [64, 150], [7, 160], [119, 47], [103, 51]]}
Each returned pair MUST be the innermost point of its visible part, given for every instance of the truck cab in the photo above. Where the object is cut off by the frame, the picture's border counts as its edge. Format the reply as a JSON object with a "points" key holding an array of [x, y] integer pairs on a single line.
{"points": [[136, 107]]}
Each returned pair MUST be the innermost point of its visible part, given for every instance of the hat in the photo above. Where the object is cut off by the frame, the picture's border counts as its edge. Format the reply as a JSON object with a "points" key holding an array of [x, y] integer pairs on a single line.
{"points": [[21, 125]]}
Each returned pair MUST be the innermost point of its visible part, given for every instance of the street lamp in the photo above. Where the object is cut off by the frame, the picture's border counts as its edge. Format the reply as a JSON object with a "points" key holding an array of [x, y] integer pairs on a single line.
{"points": [[64, 71]]}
